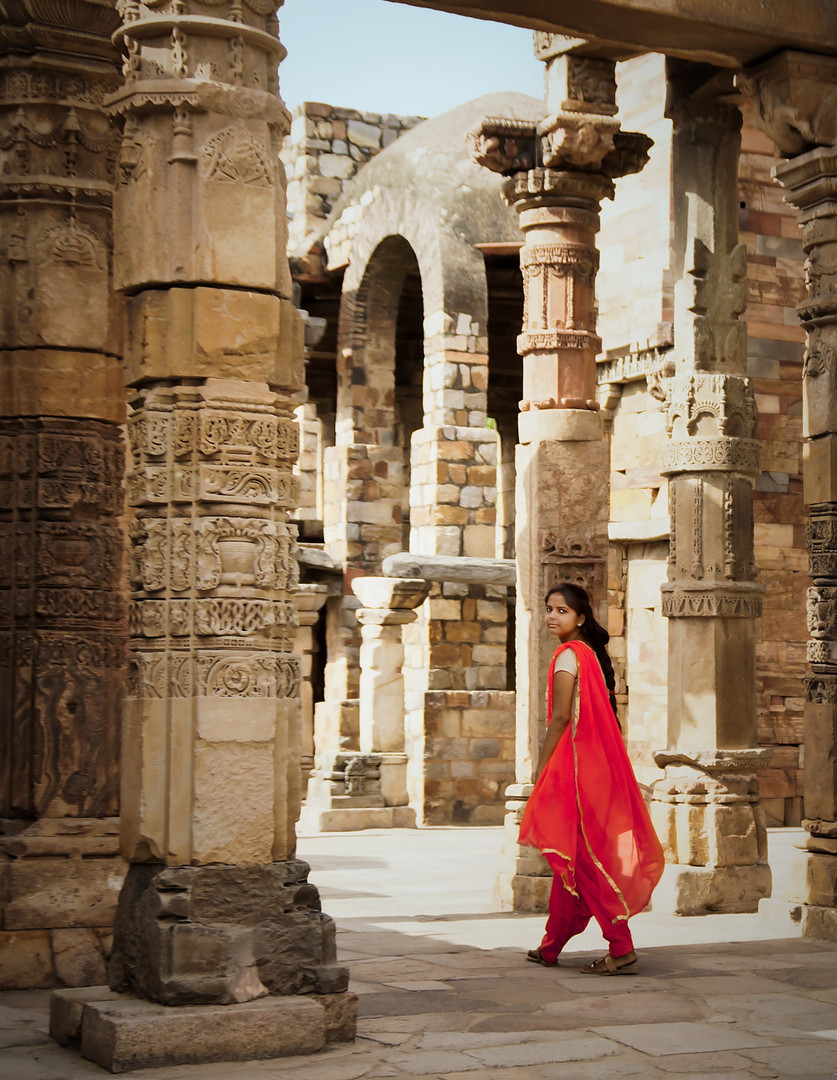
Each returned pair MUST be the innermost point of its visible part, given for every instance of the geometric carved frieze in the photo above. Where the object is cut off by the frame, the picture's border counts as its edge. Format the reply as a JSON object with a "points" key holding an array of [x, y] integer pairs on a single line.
{"points": [[704, 601], [555, 340], [215, 616], [720, 454], [213, 674]]}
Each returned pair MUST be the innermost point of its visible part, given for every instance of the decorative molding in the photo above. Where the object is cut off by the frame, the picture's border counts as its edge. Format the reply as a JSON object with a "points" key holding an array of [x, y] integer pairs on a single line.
{"points": [[705, 601], [711, 455]]}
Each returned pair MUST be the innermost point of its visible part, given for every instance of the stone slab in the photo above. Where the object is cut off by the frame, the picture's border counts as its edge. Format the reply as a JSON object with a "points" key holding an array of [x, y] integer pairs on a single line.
{"points": [[682, 1038], [314, 820], [134, 1034]]}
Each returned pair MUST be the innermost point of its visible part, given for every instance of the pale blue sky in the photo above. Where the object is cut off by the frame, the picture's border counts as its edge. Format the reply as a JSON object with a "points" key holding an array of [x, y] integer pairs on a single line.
{"points": [[383, 57]]}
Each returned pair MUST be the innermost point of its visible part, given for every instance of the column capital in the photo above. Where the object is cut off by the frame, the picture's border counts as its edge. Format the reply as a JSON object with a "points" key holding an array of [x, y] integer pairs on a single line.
{"points": [[794, 97]]}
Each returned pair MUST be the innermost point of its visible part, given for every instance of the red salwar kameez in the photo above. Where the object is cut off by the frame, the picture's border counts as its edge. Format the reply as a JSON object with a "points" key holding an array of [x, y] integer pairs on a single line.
{"points": [[587, 815]]}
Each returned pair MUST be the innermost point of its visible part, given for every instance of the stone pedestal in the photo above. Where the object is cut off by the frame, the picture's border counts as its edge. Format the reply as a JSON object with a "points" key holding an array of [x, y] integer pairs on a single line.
{"points": [[562, 458], [706, 809], [794, 97]]}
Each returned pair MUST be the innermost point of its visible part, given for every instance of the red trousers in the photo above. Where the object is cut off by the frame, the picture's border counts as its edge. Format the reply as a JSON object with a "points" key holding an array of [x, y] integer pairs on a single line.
{"points": [[569, 915]]}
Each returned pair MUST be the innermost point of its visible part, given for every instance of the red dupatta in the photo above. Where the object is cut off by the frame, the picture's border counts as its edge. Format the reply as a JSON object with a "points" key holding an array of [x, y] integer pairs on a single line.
{"points": [[588, 794]]}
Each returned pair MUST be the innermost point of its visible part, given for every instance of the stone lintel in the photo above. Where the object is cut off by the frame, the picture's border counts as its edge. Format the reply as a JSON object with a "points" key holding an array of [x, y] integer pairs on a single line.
{"points": [[449, 568], [120, 1032], [376, 617], [389, 594], [717, 760]]}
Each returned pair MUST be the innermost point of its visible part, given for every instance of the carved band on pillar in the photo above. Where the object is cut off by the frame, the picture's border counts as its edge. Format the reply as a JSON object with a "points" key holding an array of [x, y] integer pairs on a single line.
{"points": [[795, 102], [706, 810], [562, 460]]}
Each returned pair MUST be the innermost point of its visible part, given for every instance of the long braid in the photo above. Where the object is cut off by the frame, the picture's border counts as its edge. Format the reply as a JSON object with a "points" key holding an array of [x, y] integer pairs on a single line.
{"points": [[592, 631]]}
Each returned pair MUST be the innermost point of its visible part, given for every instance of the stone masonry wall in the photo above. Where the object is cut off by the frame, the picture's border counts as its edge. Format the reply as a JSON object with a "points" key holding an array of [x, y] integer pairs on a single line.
{"points": [[325, 148], [466, 743], [775, 285]]}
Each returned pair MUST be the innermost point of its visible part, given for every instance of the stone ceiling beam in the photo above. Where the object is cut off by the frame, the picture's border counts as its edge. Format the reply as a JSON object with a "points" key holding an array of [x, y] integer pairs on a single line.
{"points": [[728, 33]]}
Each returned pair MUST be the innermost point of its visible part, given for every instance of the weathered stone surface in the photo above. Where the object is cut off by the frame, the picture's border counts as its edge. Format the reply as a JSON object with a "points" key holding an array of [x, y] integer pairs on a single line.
{"points": [[449, 568], [26, 959], [67, 1006], [221, 934], [58, 382], [132, 1034], [61, 892], [390, 592], [78, 957]]}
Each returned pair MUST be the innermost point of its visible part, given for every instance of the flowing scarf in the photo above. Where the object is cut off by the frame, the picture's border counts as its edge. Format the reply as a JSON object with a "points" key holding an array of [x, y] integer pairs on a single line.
{"points": [[588, 794]]}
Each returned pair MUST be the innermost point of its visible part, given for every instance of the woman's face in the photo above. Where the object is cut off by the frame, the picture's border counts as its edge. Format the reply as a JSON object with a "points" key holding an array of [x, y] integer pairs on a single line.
{"points": [[561, 621]]}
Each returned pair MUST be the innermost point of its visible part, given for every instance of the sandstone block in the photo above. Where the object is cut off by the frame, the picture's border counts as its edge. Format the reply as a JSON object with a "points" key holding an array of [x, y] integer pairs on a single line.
{"points": [[53, 892], [134, 1034], [67, 1006], [25, 960], [340, 1015], [78, 957], [58, 382], [214, 333]]}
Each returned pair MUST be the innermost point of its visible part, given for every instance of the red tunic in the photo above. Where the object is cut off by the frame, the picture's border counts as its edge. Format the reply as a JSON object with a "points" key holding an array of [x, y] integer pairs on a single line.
{"points": [[588, 794]]}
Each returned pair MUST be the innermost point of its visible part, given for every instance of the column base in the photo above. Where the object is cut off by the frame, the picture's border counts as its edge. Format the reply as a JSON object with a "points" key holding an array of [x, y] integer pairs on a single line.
{"points": [[223, 935], [524, 880], [358, 791], [711, 890], [121, 1032]]}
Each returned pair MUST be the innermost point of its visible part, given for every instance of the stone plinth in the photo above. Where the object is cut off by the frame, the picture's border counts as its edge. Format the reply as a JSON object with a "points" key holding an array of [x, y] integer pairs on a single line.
{"points": [[121, 1033], [706, 812]]}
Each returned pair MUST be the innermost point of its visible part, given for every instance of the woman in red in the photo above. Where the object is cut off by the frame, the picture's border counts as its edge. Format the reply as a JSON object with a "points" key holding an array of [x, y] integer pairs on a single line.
{"points": [[586, 812]]}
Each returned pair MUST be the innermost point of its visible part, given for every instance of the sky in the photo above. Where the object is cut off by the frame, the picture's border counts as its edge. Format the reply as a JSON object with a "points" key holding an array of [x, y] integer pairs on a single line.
{"points": [[384, 57]]}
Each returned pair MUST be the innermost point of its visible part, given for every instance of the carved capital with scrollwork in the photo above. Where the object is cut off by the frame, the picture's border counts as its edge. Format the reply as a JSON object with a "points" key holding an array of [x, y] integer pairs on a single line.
{"points": [[794, 97]]}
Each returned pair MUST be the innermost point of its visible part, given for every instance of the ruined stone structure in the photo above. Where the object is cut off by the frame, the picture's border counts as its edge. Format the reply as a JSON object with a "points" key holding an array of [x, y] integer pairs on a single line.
{"points": [[572, 344]]}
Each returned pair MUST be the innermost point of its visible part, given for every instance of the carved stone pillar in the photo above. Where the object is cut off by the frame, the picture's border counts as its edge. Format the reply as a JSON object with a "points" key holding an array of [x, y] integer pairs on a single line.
{"points": [[62, 612], [215, 910], [562, 459], [706, 809], [308, 601], [795, 100], [368, 789]]}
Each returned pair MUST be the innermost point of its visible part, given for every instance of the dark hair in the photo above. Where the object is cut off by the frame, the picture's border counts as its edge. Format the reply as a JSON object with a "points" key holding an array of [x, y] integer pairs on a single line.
{"points": [[591, 631]]}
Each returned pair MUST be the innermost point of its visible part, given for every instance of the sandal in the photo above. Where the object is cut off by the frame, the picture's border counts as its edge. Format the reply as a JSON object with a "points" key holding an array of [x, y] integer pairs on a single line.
{"points": [[610, 965], [535, 956]]}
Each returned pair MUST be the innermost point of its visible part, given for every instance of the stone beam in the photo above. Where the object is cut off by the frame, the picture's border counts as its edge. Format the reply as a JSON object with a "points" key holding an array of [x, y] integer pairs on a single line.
{"points": [[794, 98], [714, 32]]}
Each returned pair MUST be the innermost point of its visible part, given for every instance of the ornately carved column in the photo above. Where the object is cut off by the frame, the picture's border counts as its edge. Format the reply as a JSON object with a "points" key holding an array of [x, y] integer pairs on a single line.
{"points": [[62, 609], [795, 100], [216, 909], [562, 459], [706, 810]]}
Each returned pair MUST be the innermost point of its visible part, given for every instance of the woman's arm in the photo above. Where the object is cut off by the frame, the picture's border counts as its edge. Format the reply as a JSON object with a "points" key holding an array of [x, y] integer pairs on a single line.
{"points": [[563, 684]]}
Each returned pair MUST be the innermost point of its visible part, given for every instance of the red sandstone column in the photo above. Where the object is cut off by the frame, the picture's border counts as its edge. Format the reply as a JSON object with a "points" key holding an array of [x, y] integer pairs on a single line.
{"points": [[562, 458]]}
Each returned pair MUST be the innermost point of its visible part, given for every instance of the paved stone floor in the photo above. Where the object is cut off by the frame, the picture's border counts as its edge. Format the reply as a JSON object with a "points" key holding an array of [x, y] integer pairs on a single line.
{"points": [[445, 992]]}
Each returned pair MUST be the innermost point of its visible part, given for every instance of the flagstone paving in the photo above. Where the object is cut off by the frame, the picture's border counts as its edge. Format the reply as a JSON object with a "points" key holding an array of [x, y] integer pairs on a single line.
{"points": [[445, 992]]}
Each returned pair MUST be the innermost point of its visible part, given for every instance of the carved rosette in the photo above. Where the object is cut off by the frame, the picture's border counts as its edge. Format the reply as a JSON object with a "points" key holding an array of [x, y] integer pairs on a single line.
{"points": [[62, 617]]}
